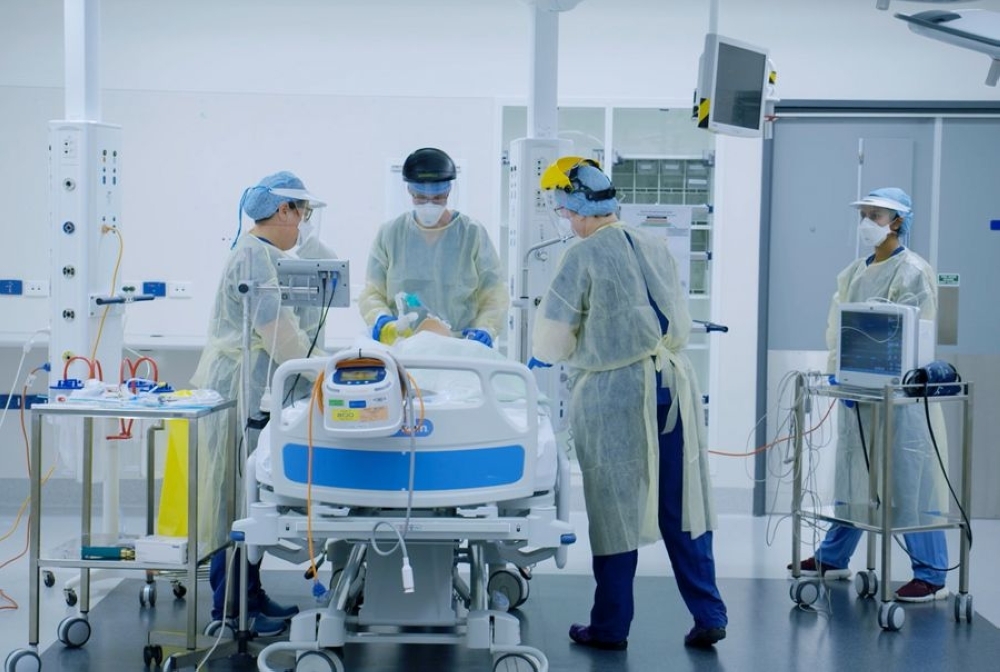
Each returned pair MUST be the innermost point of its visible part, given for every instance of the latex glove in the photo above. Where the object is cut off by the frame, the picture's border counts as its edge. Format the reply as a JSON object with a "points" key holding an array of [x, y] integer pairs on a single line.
{"points": [[848, 403], [538, 364], [379, 323], [478, 335]]}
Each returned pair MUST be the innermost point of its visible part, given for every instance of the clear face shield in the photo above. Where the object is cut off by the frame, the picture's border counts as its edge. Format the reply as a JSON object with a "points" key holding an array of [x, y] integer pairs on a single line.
{"points": [[430, 201], [558, 216], [311, 209]]}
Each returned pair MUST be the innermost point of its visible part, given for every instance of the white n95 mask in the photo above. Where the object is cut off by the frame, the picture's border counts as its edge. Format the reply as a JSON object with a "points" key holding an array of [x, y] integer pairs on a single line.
{"points": [[871, 234], [306, 231], [428, 214]]}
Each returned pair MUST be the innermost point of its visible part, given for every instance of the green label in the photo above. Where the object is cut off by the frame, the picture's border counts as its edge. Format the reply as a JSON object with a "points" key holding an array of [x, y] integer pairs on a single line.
{"points": [[947, 279]]}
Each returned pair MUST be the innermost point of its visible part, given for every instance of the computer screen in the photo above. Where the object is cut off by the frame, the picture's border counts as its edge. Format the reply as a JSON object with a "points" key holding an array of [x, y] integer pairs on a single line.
{"points": [[878, 343], [732, 87]]}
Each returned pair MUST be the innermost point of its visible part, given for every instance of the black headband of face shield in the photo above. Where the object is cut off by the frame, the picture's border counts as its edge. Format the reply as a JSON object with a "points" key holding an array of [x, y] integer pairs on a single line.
{"points": [[578, 187]]}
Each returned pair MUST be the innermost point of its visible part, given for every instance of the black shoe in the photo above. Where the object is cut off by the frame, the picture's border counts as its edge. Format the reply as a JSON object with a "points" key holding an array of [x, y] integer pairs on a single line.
{"points": [[704, 638], [581, 635]]}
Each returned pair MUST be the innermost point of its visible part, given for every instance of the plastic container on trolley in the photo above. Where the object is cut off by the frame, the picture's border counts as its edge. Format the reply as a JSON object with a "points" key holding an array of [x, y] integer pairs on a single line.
{"points": [[363, 394]]}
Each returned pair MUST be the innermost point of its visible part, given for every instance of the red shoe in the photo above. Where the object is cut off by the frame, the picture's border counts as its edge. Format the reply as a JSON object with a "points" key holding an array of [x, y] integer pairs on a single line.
{"points": [[919, 590]]}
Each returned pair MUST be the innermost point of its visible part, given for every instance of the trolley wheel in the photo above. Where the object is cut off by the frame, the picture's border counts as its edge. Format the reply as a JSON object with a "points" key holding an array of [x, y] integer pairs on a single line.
{"points": [[804, 592], [891, 616], [74, 631], [510, 584], [48, 578], [212, 629], [515, 662], [148, 595], [866, 583], [180, 590], [22, 660], [963, 607], [319, 661], [70, 596]]}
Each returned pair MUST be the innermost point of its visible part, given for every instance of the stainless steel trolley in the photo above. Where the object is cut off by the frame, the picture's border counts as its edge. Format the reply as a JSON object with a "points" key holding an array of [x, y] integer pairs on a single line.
{"points": [[879, 516], [74, 631]]}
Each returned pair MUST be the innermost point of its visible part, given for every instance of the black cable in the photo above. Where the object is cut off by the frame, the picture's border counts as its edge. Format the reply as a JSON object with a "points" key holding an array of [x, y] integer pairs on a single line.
{"points": [[312, 346], [951, 490]]}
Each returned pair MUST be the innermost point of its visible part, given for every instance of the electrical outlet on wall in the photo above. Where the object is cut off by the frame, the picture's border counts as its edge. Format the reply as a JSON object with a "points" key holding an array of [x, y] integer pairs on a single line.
{"points": [[38, 288], [177, 289]]}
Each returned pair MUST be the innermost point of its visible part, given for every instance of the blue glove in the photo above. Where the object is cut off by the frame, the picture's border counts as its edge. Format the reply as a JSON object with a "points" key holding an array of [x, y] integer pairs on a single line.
{"points": [[848, 403], [478, 335], [538, 364], [379, 323]]}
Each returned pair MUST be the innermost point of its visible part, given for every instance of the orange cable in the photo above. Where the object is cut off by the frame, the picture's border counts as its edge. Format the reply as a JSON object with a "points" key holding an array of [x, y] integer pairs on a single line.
{"points": [[767, 446]]}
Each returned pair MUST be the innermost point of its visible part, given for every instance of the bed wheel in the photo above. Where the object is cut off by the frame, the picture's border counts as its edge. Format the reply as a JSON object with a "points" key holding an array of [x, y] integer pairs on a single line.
{"points": [[515, 662], [318, 661], [511, 584]]}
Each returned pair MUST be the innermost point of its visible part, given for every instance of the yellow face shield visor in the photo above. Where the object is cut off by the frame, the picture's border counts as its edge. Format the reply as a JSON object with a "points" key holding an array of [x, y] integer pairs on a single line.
{"points": [[560, 174]]}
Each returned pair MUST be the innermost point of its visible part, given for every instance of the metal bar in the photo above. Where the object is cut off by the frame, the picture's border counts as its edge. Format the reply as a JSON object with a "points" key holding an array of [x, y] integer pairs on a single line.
{"points": [[192, 527], [963, 570], [34, 526], [86, 512], [800, 418], [885, 506]]}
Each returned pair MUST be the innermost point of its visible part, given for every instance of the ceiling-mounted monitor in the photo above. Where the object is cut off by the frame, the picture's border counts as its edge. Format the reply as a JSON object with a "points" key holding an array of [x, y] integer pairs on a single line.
{"points": [[732, 87]]}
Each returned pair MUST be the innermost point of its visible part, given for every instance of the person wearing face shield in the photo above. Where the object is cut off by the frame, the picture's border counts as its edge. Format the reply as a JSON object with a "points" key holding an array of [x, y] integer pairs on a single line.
{"points": [[442, 257], [281, 208], [617, 315], [890, 272]]}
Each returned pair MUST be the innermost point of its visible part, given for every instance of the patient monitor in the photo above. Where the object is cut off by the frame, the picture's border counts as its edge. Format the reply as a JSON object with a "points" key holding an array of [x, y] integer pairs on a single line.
{"points": [[878, 342]]}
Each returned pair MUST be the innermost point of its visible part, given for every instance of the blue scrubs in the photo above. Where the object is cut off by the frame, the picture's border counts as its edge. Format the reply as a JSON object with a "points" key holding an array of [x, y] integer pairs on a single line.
{"points": [[928, 551], [217, 581], [692, 559]]}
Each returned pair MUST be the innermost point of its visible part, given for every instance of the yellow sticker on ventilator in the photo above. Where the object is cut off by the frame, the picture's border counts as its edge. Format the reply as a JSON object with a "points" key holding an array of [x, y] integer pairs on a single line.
{"points": [[359, 414]]}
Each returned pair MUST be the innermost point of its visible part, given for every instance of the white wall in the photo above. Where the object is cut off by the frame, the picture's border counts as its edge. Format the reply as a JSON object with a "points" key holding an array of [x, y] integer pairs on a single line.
{"points": [[214, 94]]}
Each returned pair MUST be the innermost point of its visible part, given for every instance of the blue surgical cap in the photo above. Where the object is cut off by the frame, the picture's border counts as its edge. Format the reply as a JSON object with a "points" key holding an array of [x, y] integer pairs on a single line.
{"points": [[258, 201], [592, 179], [429, 188], [903, 199]]}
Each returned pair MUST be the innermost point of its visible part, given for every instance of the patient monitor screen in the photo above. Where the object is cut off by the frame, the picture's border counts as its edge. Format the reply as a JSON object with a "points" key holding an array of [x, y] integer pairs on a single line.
{"points": [[871, 342]]}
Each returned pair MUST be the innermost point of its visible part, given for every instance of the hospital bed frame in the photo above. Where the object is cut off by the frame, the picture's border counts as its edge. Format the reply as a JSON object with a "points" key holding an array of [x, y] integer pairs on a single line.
{"points": [[484, 511]]}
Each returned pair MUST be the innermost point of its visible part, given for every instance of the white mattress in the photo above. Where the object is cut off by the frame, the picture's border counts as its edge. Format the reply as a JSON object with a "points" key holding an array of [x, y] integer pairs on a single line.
{"points": [[546, 455]]}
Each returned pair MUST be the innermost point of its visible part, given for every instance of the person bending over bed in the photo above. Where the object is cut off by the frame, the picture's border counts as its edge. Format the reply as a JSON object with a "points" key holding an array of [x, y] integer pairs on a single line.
{"points": [[443, 257]]}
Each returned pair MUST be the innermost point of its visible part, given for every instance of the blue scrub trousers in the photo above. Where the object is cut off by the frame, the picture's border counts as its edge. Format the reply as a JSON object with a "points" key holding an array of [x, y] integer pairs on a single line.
{"points": [[692, 559], [217, 581], [928, 551]]}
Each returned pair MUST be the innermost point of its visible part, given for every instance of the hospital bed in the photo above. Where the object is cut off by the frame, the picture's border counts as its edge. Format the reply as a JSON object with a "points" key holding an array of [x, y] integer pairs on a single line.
{"points": [[479, 481]]}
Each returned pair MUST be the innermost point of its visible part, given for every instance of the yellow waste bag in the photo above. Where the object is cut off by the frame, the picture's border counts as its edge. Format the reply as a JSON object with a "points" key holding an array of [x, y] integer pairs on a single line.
{"points": [[172, 518]]}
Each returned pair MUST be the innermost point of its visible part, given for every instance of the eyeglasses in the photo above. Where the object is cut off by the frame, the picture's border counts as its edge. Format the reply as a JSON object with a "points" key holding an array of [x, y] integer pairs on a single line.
{"points": [[876, 214], [441, 199], [307, 212]]}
